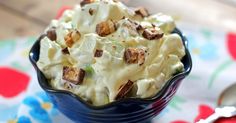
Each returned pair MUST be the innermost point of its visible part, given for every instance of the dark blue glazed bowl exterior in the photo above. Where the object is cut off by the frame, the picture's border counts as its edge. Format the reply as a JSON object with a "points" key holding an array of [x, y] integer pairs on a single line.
{"points": [[129, 110]]}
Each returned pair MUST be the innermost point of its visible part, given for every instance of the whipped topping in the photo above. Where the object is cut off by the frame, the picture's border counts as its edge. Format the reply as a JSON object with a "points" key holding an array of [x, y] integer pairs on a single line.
{"points": [[105, 51]]}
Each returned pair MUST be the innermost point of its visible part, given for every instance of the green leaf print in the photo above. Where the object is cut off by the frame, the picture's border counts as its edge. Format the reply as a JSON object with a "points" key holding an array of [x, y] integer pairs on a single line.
{"points": [[219, 70], [176, 102]]}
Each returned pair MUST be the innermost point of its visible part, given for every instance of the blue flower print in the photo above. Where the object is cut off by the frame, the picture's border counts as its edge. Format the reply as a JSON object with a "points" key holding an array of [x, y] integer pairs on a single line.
{"points": [[40, 109], [23, 119], [8, 112], [205, 50]]}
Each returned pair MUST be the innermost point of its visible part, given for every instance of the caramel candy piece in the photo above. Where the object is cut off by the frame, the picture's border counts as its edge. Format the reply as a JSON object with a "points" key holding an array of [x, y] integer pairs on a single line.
{"points": [[142, 12], [134, 56], [105, 28], [124, 89], [152, 34], [84, 2], [73, 75], [51, 34], [98, 53], [72, 37]]}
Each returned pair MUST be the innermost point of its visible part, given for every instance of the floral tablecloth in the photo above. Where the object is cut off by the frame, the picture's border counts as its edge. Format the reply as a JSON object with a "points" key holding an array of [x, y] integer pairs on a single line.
{"points": [[214, 67]]}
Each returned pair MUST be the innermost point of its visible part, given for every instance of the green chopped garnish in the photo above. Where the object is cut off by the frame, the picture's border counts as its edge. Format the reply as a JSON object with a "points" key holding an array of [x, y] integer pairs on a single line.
{"points": [[89, 70]]}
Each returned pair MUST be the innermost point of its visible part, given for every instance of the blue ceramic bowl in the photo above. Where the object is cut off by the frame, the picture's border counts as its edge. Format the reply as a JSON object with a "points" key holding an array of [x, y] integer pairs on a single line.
{"points": [[128, 110]]}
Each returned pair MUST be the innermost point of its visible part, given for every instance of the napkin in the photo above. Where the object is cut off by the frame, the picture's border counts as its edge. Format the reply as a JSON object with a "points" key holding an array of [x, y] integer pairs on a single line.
{"points": [[214, 64]]}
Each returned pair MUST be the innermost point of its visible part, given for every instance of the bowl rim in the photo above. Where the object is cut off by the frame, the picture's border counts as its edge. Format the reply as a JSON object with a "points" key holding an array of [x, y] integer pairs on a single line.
{"points": [[160, 94]]}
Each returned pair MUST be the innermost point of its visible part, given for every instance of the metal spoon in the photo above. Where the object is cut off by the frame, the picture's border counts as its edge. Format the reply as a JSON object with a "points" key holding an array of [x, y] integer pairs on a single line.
{"points": [[226, 105]]}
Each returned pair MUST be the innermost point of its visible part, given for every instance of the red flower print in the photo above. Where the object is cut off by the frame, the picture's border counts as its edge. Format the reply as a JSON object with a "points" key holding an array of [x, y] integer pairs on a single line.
{"points": [[231, 43], [12, 82], [204, 112]]}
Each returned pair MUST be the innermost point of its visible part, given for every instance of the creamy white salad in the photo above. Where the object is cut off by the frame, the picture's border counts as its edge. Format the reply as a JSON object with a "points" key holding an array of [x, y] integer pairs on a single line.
{"points": [[104, 51]]}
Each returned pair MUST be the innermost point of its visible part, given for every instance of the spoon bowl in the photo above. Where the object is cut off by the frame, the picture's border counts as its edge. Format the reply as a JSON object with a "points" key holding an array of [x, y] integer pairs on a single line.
{"points": [[226, 105], [228, 97]]}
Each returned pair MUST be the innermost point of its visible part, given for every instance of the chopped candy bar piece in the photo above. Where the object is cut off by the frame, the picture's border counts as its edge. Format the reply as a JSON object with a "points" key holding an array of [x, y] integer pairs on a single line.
{"points": [[131, 55], [98, 53], [84, 2], [142, 12], [65, 51], [134, 56], [68, 40], [91, 11], [72, 37], [73, 75], [75, 35], [152, 34], [139, 28], [124, 89], [105, 28]]}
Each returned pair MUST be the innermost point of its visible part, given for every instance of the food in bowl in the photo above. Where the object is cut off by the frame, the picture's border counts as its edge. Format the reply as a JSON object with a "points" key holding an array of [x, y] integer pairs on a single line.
{"points": [[103, 51]]}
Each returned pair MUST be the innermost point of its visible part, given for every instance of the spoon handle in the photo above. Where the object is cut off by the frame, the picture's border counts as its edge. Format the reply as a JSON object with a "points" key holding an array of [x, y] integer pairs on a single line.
{"points": [[227, 111], [210, 119]]}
